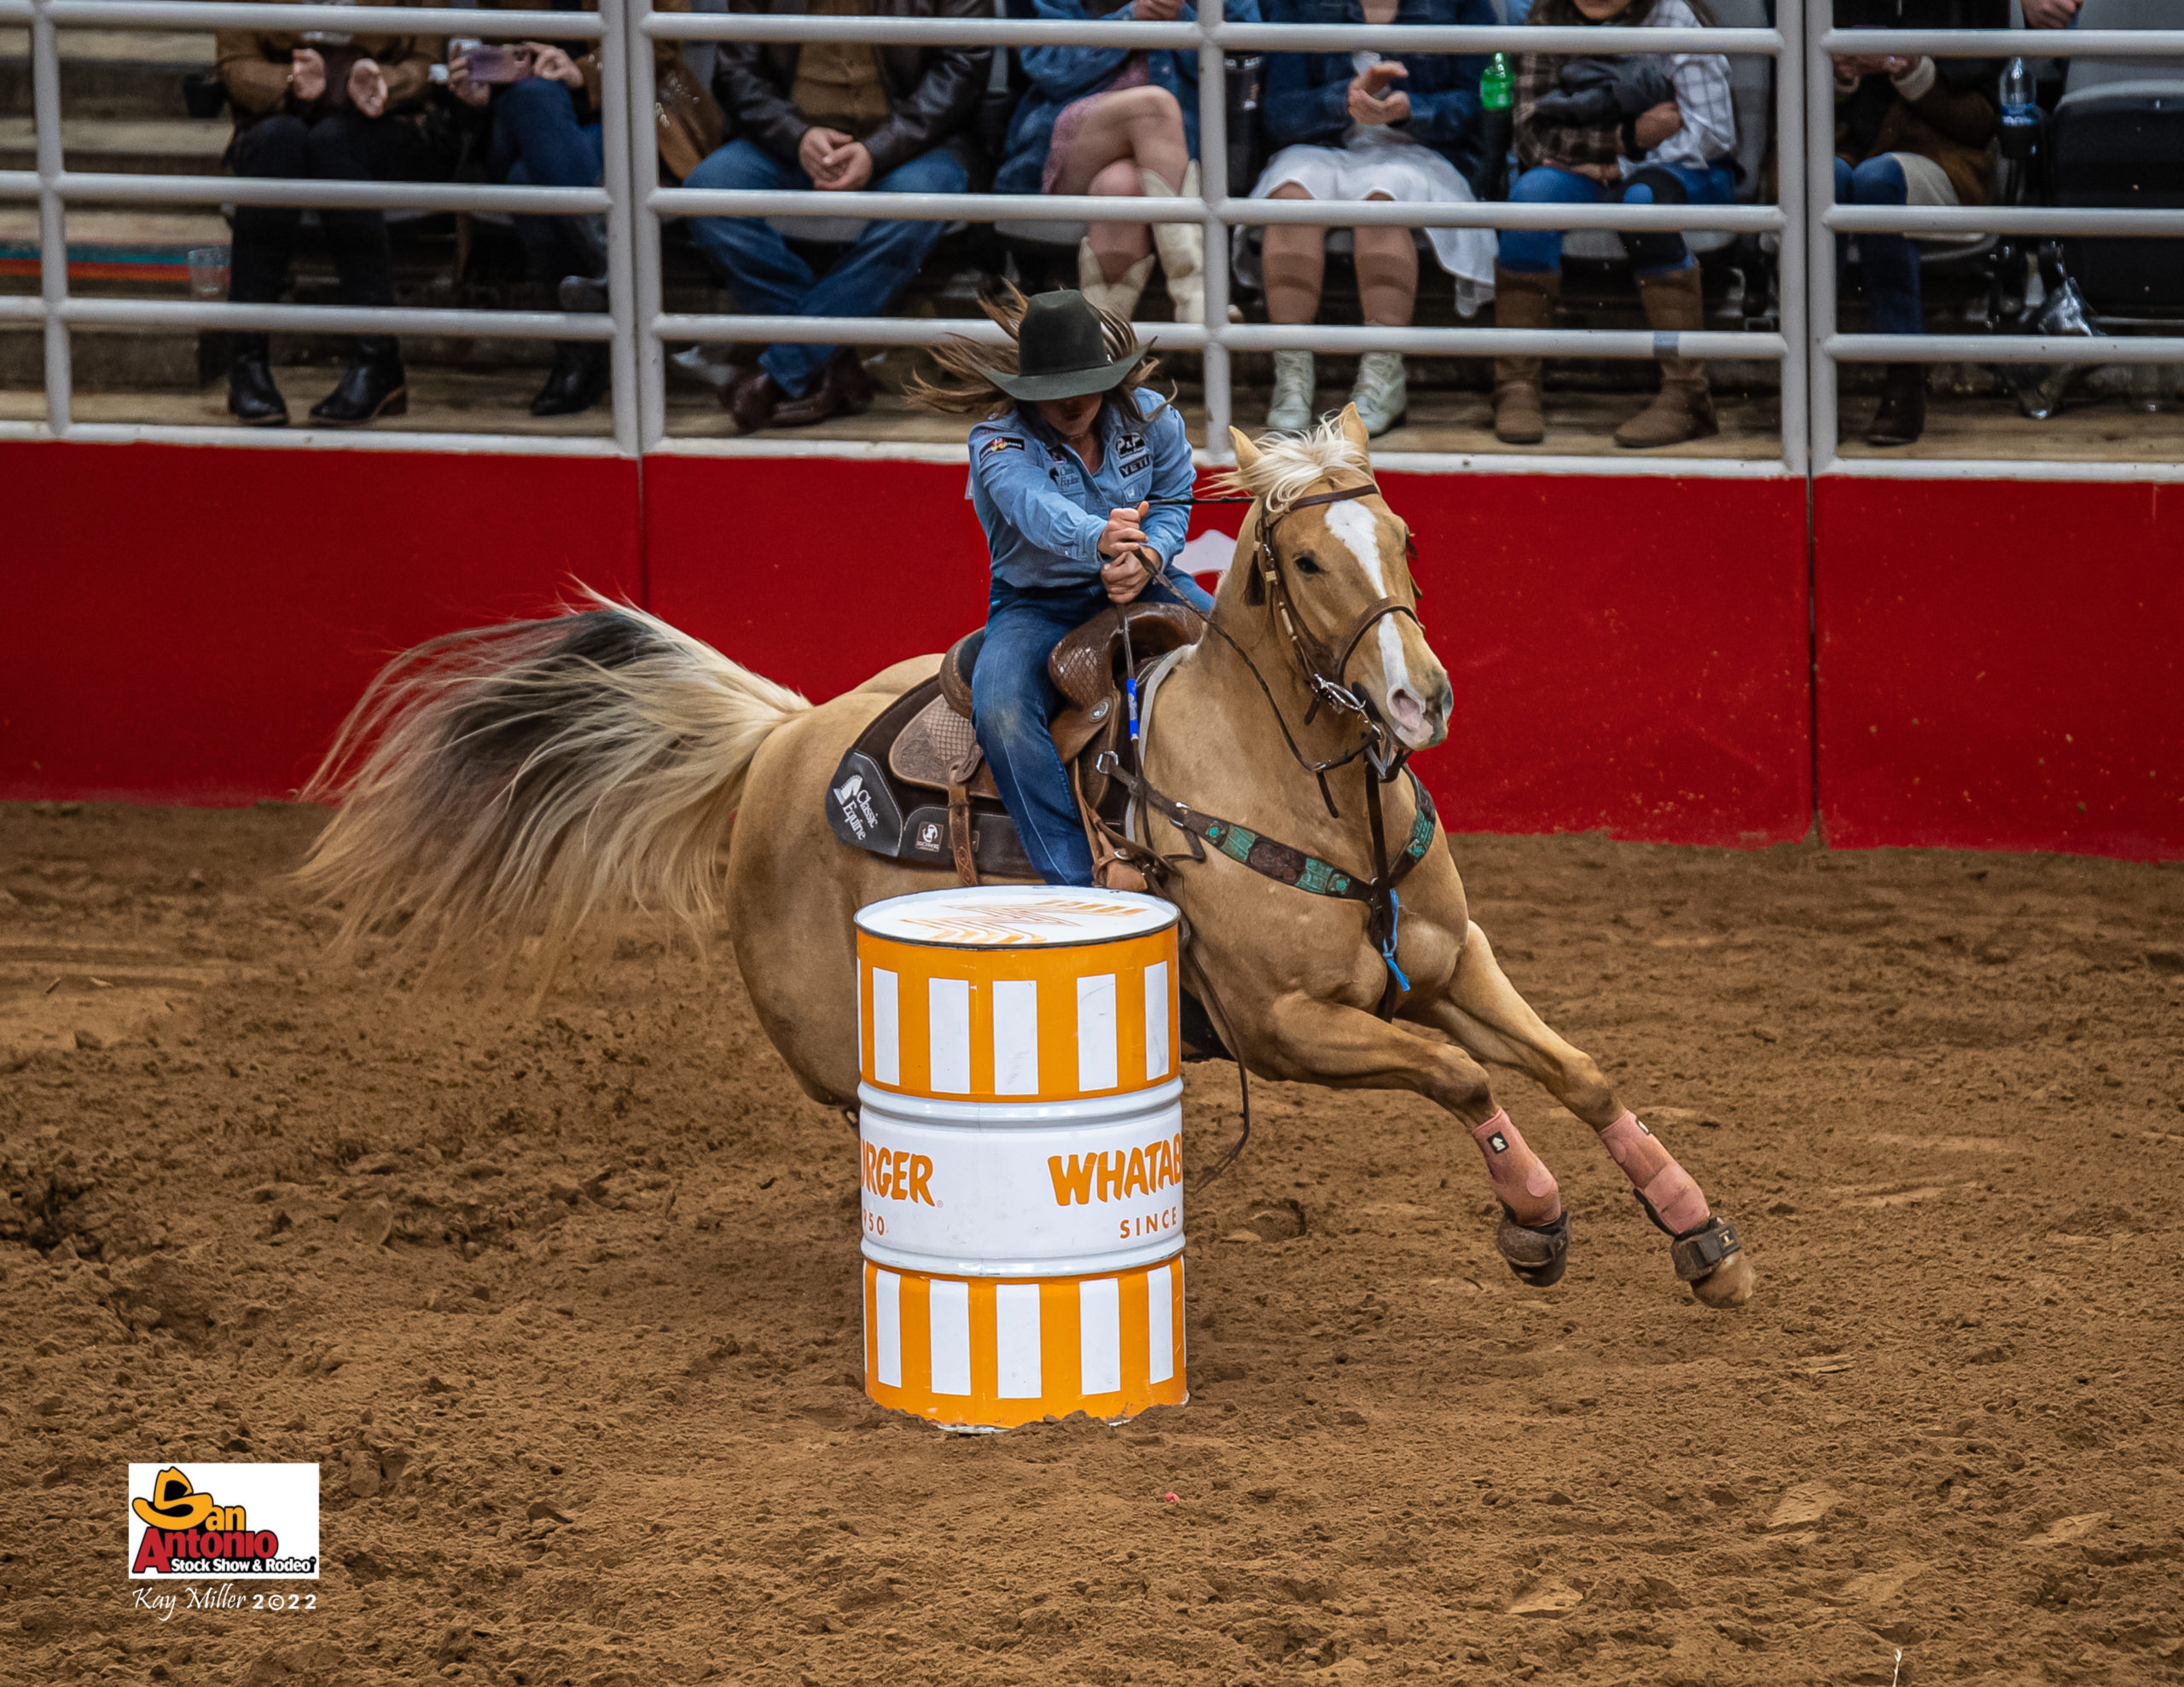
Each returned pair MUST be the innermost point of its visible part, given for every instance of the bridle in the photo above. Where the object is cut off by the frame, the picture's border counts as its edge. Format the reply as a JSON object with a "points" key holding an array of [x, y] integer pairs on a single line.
{"points": [[1324, 666]]}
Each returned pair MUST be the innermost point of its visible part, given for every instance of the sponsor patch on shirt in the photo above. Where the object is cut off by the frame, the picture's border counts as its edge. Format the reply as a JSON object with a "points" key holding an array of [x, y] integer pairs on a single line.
{"points": [[1003, 443], [1132, 454]]}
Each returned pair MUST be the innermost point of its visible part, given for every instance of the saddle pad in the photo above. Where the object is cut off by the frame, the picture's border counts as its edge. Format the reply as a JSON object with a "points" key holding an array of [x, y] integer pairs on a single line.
{"points": [[869, 807], [930, 744]]}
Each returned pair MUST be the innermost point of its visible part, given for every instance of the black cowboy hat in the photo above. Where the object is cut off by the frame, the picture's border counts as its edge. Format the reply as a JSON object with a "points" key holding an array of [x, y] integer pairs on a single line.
{"points": [[1061, 351]]}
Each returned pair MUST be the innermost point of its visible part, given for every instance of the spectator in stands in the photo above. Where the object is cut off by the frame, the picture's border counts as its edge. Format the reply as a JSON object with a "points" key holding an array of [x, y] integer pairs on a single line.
{"points": [[839, 117], [546, 133], [1108, 120], [1911, 131], [321, 106], [2052, 13], [1357, 126], [1662, 135]]}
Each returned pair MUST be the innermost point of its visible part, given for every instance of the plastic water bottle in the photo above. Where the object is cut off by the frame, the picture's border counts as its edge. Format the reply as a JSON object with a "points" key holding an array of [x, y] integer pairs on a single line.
{"points": [[1495, 88], [2020, 114]]}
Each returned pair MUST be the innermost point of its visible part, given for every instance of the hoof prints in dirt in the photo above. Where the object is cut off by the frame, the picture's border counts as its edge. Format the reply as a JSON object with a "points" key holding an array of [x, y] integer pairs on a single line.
{"points": [[565, 1306]]}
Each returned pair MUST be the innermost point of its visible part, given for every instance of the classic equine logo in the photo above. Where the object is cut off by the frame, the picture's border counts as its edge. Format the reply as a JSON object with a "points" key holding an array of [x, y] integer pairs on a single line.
{"points": [[223, 1520]]}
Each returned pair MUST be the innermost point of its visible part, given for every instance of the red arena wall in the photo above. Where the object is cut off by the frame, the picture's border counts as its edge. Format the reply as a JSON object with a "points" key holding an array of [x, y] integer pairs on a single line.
{"points": [[1630, 654], [1999, 665], [190, 624]]}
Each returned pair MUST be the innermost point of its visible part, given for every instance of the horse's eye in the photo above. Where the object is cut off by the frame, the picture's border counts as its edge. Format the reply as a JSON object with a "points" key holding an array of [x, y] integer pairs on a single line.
{"points": [[1306, 564]]}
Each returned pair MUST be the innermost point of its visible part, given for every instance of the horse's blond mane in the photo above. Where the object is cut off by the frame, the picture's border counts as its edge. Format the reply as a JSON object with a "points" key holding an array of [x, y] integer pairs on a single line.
{"points": [[1288, 467]]}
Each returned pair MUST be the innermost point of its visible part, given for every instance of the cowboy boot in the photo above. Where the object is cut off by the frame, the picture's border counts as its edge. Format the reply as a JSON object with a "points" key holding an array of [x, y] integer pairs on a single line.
{"points": [[1119, 297], [1290, 412], [1522, 298], [1682, 409], [1181, 247], [1901, 417], [1382, 392]]}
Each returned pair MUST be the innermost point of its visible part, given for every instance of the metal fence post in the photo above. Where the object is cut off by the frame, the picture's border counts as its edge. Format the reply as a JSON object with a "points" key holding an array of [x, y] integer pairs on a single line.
{"points": [[646, 356], [52, 213], [1820, 240], [1789, 148], [1213, 184], [621, 52]]}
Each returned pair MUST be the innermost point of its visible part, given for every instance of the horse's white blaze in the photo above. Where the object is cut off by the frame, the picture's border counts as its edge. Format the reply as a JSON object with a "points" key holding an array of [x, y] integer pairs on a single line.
{"points": [[1353, 524]]}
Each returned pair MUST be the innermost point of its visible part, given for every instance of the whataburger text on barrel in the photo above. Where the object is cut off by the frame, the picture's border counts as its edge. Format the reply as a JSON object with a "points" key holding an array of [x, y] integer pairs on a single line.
{"points": [[1021, 1132]]}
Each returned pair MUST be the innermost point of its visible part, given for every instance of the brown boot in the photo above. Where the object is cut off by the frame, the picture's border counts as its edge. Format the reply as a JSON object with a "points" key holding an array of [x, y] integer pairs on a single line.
{"points": [[1682, 409], [1522, 299]]}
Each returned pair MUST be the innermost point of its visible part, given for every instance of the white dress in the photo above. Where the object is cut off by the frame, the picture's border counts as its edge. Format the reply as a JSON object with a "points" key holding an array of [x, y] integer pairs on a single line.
{"points": [[1377, 159]]}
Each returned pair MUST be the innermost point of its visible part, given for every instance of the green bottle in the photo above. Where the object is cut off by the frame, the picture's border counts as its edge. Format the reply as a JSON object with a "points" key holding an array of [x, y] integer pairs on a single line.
{"points": [[1494, 86]]}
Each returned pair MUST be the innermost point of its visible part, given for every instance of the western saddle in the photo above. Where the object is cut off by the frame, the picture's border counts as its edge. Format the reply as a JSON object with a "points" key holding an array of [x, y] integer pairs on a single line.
{"points": [[915, 786]]}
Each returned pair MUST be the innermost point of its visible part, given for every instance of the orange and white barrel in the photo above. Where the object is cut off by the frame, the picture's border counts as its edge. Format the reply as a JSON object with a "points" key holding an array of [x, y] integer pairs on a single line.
{"points": [[1021, 1126]]}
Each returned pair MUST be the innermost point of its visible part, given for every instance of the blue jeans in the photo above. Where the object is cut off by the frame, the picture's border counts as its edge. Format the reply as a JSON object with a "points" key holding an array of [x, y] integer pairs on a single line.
{"points": [[1891, 261], [1014, 703], [537, 142], [1539, 251], [769, 279]]}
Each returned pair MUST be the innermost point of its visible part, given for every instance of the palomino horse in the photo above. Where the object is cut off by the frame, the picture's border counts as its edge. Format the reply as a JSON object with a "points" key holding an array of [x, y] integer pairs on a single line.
{"points": [[516, 781]]}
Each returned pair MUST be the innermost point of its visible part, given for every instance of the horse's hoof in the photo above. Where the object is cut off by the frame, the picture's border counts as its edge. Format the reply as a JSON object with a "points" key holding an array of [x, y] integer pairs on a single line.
{"points": [[1712, 1260], [1538, 1253]]}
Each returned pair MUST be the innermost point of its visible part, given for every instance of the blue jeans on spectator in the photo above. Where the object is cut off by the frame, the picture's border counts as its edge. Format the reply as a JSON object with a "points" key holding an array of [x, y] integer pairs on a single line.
{"points": [[539, 142], [1539, 251], [1014, 703], [769, 279], [1891, 261]]}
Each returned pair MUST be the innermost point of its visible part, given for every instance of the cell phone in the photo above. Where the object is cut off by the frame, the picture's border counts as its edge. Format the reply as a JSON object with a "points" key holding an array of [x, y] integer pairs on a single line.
{"points": [[494, 64]]}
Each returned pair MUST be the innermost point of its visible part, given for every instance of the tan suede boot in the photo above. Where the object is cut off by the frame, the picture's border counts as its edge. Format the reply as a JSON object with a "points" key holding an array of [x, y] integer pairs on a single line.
{"points": [[1682, 409], [1522, 299]]}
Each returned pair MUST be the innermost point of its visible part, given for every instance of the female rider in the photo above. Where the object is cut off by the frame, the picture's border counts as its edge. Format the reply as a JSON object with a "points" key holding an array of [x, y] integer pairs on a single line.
{"points": [[1081, 476]]}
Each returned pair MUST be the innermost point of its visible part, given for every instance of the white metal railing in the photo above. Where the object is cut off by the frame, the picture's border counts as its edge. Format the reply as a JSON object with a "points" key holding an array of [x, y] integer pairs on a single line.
{"points": [[1807, 348], [1825, 219]]}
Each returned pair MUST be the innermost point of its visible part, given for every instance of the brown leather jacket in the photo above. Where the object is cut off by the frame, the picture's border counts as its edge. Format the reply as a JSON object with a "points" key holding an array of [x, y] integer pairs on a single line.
{"points": [[1954, 122], [932, 92], [687, 120], [253, 67]]}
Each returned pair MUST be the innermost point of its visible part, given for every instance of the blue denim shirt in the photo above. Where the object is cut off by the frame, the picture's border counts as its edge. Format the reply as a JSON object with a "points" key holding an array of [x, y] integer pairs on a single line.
{"points": [[1043, 515], [1060, 74], [1307, 95]]}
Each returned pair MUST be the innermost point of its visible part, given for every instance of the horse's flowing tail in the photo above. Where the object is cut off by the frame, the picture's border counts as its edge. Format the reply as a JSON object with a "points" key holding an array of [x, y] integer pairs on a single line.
{"points": [[517, 780]]}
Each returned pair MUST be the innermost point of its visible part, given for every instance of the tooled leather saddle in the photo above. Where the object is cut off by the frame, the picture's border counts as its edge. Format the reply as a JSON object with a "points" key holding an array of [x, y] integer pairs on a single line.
{"points": [[914, 786]]}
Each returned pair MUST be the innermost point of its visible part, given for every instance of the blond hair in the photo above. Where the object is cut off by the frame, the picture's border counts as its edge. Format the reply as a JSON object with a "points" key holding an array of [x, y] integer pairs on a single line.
{"points": [[1289, 466]]}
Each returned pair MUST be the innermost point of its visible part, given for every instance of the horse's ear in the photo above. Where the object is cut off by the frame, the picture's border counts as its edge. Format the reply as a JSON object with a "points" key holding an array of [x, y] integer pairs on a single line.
{"points": [[1246, 453], [1353, 429]]}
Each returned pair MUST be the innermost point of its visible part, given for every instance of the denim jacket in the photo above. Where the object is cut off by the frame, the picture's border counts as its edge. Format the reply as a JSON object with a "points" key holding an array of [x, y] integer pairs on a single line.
{"points": [[1043, 515], [1061, 74], [1307, 97]]}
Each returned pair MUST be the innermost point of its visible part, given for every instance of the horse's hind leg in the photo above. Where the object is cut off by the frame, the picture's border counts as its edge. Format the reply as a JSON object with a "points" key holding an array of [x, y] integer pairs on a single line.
{"points": [[1326, 1042], [1483, 1012]]}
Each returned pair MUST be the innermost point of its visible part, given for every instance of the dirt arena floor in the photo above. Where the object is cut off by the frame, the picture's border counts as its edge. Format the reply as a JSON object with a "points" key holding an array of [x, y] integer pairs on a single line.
{"points": [[564, 1305]]}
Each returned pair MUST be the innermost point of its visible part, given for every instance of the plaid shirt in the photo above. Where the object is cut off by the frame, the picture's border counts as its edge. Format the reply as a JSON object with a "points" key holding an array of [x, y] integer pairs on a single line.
{"points": [[1702, 94]]}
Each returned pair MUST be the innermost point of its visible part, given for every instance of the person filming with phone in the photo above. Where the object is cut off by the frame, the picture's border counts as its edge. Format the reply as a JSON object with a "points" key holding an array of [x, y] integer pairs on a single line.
{"points": [[546, 108], [331, 107]]}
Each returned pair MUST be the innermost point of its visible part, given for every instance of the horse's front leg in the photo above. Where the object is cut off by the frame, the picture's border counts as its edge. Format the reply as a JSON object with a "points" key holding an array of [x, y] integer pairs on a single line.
{"points": [[1317, 1041], [1483, 1011]]}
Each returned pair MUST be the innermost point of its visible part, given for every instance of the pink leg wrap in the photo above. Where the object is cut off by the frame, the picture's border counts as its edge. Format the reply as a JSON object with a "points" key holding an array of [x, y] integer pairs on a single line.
{"points": [[1655, 1173], [1520, 1179]]}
